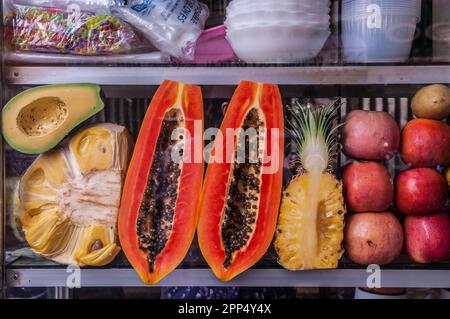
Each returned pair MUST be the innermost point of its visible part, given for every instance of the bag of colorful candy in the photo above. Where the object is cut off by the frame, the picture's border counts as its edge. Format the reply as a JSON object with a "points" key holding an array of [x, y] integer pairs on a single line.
{"points": [[69, 26]]}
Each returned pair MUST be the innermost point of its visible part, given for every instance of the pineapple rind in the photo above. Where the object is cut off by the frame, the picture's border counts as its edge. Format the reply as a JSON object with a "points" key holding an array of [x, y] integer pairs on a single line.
{"points": [[330, 226]]}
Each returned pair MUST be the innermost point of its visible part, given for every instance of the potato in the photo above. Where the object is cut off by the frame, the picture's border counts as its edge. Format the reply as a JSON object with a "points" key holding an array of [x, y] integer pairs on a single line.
{"points": [[370, 135], [432, 102]]}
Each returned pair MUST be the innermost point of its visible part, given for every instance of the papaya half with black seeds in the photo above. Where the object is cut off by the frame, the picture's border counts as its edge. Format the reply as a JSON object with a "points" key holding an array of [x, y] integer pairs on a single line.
{"points": [[242, 191], [159, 207]]}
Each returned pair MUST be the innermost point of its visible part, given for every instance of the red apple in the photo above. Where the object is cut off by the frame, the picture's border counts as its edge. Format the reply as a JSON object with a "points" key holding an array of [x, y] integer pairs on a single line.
{"points": [[427, 237], [373, 238], [370, 135], [426, 143], [367, 187], [420, 191]]}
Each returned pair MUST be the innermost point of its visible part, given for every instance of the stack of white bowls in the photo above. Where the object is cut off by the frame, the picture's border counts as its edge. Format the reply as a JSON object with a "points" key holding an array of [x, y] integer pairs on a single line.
{"points": [[277, 31]]}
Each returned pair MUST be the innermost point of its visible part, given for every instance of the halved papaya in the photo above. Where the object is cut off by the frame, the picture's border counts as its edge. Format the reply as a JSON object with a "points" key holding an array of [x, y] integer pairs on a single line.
{"points": [[159, 206], [241, 192]]}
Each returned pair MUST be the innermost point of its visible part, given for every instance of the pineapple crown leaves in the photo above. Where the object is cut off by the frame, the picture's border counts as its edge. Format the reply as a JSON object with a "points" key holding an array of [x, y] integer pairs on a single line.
{"points": [[314, 134]]}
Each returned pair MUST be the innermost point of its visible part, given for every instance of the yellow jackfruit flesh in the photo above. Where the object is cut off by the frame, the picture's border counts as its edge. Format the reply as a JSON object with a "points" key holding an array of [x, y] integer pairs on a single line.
{"points": [[70, 197]]}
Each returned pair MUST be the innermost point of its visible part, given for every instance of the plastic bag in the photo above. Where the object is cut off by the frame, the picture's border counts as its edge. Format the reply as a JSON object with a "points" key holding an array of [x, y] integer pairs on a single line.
{"points": [[77, 27], [97, 6], [173, 26]]}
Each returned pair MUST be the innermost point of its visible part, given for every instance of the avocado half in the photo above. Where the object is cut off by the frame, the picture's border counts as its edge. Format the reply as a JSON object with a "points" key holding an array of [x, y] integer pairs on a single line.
{"points": [[37, 119]]}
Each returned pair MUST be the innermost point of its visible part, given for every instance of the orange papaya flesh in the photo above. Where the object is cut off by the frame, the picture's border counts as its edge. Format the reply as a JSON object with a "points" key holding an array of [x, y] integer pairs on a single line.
{"points": [[159, 205], [241, 196]]}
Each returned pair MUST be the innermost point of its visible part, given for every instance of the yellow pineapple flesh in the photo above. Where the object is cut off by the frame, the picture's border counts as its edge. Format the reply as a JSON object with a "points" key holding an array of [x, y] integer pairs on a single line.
{"points": [[70, 197], [311, 223]]}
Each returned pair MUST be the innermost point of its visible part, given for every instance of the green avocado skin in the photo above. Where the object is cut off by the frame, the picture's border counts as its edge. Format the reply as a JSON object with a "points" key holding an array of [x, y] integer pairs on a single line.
{"points": [[28, 149]]}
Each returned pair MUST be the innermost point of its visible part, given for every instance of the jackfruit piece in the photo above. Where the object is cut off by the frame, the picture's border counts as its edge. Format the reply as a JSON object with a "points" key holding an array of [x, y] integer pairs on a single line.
{"points": [[65, 254], [91, 235], [58, 244], [38, 207], [93, 149], [49, 170], [42, 228], [35, 199], [70, 197], [102, 256], [59, 236]]}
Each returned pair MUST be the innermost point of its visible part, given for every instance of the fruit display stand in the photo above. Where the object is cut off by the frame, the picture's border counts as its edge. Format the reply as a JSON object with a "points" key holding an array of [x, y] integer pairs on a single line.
{"points": [[127, 91], [125, 104]]}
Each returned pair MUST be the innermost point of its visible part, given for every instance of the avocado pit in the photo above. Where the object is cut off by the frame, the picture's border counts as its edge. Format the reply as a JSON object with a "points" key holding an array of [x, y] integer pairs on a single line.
{"points": [[42, 116]]}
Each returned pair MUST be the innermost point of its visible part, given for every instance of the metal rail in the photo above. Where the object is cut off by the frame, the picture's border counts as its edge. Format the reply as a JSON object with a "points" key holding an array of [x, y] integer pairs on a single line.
{"points": [[251, 278], [231, 75]]}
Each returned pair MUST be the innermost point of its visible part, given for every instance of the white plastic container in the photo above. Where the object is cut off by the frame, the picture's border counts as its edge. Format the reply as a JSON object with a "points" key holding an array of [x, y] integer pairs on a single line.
{"points": [[277, 44], [382, 31], [285, 6], [359, 8], [277, 31], [271, 17], [441, 30]]}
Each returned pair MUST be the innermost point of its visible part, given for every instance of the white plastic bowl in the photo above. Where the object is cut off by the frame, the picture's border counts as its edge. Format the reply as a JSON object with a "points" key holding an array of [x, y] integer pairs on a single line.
{"points": [[391, 42], [242, 2], [365, 8], [301, 25], [299, 2], [441, 30], [277, 44], [274, 6], [258, 17]]}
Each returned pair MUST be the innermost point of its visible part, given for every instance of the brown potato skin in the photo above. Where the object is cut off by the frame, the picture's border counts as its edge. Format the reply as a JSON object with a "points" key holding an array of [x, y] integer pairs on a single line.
{"points": [[373, 238], [426, 143], [370, 135], [367, 187], [432, 102]]}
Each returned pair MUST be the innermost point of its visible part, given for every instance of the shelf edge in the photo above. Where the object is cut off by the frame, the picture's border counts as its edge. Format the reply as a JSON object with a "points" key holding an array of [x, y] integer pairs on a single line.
{"points": [[231, 75], [251, 278]]}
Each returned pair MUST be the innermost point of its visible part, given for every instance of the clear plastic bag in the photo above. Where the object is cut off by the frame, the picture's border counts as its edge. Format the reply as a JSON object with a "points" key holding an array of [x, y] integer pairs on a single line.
{"points": [[173, 26], [76, 27]]}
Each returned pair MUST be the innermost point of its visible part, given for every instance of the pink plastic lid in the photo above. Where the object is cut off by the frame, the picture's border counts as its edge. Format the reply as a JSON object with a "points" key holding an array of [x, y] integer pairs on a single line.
{"points": [[212, 46]]}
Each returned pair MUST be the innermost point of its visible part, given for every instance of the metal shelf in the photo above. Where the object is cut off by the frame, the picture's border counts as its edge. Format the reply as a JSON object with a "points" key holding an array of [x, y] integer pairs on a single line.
{"points": [[231, 75], [251, 278]]}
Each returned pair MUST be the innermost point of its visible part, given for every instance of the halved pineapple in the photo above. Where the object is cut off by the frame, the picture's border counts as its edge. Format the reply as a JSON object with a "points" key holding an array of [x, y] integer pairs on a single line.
{"points": [[70, 197], [311, 222]]}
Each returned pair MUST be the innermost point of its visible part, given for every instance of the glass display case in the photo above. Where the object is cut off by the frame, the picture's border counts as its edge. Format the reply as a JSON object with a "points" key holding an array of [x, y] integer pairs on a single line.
{"points": [[366, 81]]}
